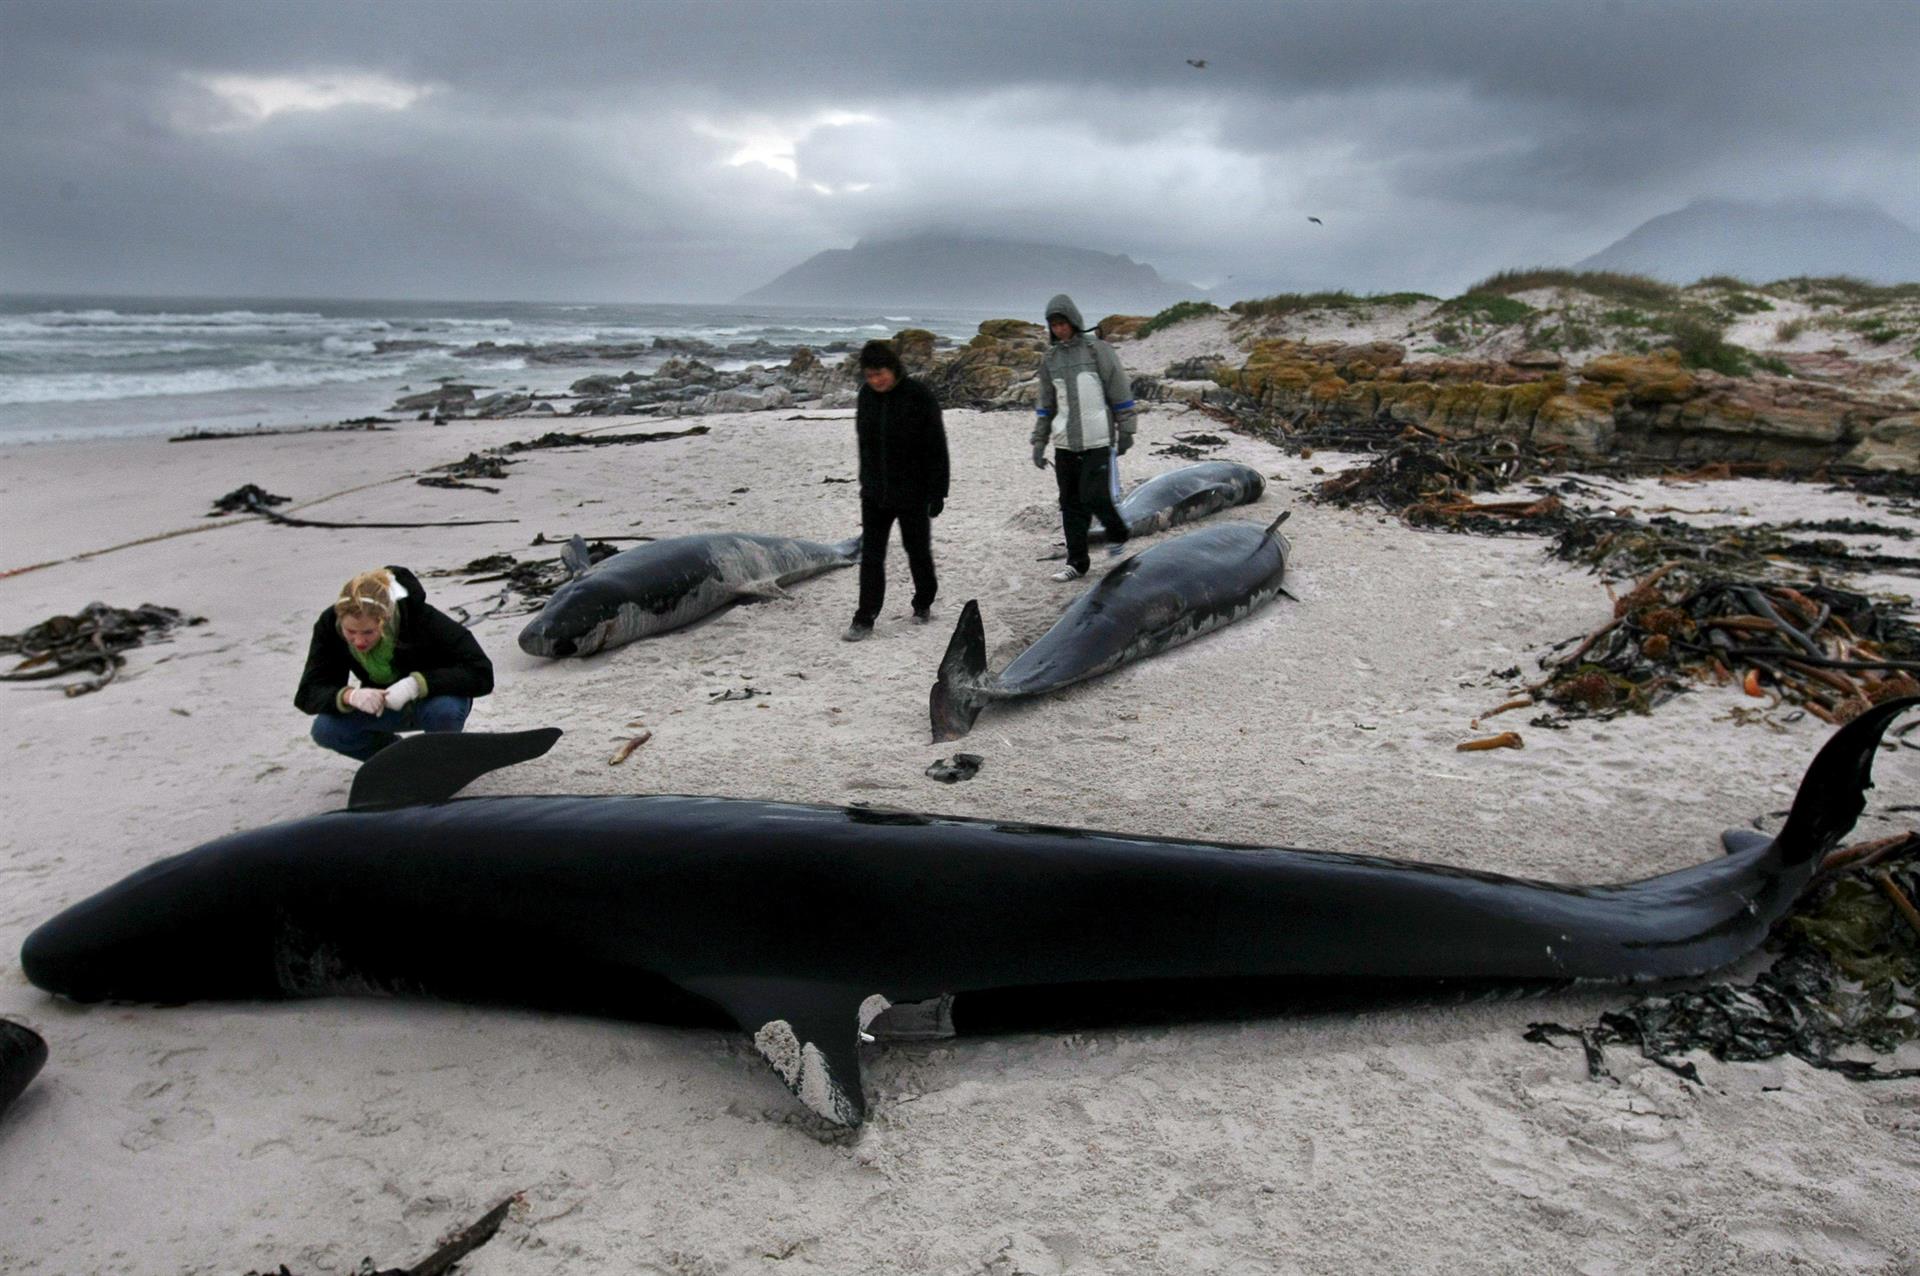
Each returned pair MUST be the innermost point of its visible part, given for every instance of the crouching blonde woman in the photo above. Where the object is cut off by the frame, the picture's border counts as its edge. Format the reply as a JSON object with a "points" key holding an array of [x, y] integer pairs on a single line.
{"points": [[382, 661]]}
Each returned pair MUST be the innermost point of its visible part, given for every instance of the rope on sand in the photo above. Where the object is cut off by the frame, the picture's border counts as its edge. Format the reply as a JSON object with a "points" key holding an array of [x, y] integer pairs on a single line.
{"points": [[255, 512]]}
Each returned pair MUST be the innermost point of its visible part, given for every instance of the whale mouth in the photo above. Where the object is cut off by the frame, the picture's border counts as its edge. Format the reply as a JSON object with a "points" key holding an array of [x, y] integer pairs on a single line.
{"points": [[563, 647]]}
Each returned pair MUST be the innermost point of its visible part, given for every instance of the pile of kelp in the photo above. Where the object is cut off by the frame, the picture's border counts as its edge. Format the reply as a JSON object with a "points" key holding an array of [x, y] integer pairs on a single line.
{"points": [[247, 499], [1433, 482], [89, 644], [1846, 973], [1724, 606], [1754, 605], [525, 586], [460, 474], [1620, 547]]}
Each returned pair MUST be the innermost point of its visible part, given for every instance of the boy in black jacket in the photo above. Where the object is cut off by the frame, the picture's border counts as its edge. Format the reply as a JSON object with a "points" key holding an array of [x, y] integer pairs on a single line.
{"points": [[903, 476]]}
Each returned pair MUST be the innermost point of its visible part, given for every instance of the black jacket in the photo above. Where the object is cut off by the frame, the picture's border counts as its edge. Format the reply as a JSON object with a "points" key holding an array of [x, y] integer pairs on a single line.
{"points": [[903, 446], [427, 641]]}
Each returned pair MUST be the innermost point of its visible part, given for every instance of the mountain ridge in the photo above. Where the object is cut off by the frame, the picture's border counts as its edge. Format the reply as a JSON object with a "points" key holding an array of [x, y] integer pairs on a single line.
{"points": [[1762, 242], [934, 269]]}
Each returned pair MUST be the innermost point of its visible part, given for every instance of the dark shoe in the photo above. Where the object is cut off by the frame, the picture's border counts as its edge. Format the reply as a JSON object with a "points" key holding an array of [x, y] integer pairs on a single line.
{"points": [[1116, 548], [856, 632], [921, 615]]}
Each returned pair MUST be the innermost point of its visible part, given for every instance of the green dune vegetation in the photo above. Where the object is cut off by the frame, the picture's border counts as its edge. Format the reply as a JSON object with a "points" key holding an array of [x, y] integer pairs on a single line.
{"points": [[1799, 370]]}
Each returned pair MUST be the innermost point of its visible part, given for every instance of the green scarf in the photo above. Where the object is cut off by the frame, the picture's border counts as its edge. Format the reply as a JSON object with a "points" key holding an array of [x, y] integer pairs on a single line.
{"points": [[378, 661]]}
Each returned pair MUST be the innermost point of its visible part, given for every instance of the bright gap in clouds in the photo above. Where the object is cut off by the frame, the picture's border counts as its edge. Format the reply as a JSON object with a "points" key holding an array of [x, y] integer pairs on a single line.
{"points": [[254, 99], [775, 144]]}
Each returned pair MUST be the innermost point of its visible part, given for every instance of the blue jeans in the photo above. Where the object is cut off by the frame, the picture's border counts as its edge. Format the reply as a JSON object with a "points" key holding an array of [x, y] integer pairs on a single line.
{"points": [[361, 735]]}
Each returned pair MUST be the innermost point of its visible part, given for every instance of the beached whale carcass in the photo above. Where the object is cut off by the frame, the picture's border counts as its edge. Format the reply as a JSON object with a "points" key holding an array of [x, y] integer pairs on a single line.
{"points": [[1185, 495], [802, 925], [22, 1054], [1163, 596], [653, 588]]}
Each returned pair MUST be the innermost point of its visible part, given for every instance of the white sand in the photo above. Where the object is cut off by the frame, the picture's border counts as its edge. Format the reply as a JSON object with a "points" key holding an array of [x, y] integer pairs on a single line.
{"points": [[215, 1138]]}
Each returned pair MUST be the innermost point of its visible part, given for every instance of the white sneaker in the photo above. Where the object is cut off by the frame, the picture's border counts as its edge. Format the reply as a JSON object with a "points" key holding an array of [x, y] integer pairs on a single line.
{"points": [[1069, 573]]}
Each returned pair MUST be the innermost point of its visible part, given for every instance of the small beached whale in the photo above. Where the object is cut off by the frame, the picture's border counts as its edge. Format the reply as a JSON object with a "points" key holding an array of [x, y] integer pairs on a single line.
{"points": [[803, 925], [22, 1054], [650, 589], [1185, 495], [1163, 596]]}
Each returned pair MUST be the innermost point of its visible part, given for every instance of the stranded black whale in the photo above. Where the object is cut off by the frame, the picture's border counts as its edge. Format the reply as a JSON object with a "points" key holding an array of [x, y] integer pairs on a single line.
{"points": [[801, 924], [1163, 596], [22, 1053], [1185, 495], [650, 589]]}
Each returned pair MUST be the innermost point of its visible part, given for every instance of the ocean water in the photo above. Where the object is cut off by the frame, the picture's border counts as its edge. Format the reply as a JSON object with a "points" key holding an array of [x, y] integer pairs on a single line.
{"points": [[103, 367]]}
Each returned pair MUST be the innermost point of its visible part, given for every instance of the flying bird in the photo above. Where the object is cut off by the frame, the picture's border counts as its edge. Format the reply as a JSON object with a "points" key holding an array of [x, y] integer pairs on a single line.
{"points": [[1198, 64], [1316, 221]]}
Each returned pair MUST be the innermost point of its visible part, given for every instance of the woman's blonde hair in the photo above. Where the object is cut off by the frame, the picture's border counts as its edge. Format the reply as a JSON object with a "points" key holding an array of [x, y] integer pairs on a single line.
{"points": [[369, 596]]}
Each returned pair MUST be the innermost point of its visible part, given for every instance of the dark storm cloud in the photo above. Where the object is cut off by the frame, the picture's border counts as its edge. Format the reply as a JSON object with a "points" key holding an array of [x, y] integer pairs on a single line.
{"points": [[692, 150]]}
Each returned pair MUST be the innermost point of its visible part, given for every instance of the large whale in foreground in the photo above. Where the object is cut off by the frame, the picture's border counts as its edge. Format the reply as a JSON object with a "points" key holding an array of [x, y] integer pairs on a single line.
{"points": [[652, 588], [800, 924], [1163, 596], [1185, 495]]}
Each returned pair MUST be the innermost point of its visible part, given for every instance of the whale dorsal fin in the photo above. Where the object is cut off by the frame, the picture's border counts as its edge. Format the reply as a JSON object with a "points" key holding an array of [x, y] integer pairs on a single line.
{"points": [[576, 557], [435, 765], [809, 1031]]}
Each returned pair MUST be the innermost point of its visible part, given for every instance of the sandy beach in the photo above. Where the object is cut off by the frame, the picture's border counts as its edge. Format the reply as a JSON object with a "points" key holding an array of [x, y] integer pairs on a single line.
{"points": [[221, 1138]]}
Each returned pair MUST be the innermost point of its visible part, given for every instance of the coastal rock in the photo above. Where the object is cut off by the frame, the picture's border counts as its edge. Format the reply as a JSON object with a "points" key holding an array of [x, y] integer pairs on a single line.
{"points": [[505, 403], [1580, 423], [1648, 405], [915, 348], [1644, 379], [449, 397], [996, 369], [744, 400], [1201, 368], [1891, 443]]}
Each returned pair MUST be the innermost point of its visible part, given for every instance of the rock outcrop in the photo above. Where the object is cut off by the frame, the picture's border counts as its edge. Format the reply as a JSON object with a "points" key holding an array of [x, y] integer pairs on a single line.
{"points": [[1643, 405]]}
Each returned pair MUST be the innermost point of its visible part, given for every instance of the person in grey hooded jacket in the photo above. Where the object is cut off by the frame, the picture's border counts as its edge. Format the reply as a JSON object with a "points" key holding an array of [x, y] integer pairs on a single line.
{"points": [[1086, 413]]}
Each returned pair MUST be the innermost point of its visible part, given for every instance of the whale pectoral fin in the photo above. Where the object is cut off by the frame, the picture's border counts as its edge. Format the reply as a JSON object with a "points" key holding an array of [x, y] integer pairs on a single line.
{"points": [[1737, 841], [760, 589], [809, 1032], [435, 765]]}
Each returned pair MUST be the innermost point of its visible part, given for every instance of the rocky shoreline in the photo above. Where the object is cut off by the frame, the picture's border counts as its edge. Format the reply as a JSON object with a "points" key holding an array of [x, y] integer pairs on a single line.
{"points": [[1650, 384]]}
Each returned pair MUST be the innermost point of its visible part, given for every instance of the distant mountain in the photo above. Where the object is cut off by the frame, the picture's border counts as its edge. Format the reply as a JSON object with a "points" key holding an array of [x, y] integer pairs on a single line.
{"points": [[986, 274], [1764, 242]]}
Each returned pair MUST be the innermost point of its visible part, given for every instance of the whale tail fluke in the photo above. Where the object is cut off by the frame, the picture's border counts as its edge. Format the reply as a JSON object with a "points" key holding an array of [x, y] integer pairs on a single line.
{"points": [[435, 765], [1834, 790], [955, 700]]}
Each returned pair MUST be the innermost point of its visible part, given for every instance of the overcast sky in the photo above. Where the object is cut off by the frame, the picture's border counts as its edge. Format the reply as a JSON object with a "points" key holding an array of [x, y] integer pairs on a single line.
{"points": [[658, 151]]}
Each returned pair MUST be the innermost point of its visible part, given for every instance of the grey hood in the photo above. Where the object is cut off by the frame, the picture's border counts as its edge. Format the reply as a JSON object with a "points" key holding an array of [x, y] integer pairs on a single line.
{"points": [[1063, 305]]}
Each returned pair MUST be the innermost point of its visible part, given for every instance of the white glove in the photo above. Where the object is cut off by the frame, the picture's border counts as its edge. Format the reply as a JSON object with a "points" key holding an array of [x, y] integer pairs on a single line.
{"points": [[368, 700], [402, 693]]}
